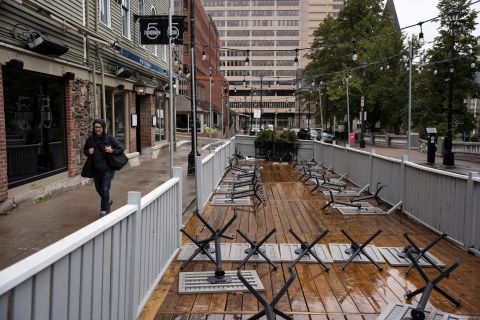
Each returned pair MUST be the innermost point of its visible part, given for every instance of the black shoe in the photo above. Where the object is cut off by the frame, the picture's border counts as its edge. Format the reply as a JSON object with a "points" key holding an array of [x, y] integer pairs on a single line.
{"points": [[109, 205]]}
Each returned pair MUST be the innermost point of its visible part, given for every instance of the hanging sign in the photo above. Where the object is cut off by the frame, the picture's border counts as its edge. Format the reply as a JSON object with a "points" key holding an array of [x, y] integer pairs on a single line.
{"points": [[154, 29]]}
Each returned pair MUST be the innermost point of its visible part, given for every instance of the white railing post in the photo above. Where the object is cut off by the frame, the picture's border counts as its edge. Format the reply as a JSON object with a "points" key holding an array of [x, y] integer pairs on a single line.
{"points": [[200, 182], [470, 212], [370, 169], [135, 198], [177, 173], [403, 175]]}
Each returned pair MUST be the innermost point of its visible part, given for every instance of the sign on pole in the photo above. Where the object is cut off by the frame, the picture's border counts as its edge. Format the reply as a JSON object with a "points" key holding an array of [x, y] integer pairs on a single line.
{"points": [[154, 29], [256, 114]]}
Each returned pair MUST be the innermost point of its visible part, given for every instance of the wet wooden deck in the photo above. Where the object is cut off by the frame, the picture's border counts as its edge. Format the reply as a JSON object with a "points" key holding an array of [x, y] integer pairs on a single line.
{"points": [[358, 292]]}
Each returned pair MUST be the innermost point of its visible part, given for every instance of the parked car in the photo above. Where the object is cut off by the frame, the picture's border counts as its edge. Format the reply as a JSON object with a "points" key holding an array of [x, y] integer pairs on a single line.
{"points": [[314, 134], [323, 136], [326, 137]]}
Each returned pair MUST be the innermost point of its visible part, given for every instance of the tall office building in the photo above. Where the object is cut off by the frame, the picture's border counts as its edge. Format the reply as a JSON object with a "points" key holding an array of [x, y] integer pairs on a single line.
{"points": [[273, 35]]}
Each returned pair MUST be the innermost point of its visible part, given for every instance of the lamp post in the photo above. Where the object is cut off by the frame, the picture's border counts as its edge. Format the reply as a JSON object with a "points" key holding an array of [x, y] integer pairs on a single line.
{"points": [[193, 152], [223, 95], [448, 156], [348, 113], [170, 85], [309, 117], [261, 102], [320, 101], [210, 109], [251, 108], [362, 112], [245, 123]]}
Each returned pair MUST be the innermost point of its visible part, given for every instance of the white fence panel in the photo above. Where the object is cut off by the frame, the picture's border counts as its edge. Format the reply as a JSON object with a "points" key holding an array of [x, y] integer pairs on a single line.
{"points": [[387, 172], [437, 199], [210, 171], [106, 270], [305, 150], [474, 214], [339, 160]]}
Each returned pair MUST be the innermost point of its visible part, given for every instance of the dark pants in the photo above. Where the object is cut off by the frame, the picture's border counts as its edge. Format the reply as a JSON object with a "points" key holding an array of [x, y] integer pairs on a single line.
{"points": [[103, 180]]}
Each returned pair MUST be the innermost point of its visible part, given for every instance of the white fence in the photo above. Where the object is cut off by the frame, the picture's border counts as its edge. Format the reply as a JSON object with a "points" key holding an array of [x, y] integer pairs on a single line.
{"points": [[210, 171], [106, 270], [443, 201]]}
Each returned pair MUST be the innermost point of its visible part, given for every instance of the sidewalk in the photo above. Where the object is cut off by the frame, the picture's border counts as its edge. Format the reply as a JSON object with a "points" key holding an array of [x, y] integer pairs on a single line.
{"points": [[416, 156], [33, 227]]}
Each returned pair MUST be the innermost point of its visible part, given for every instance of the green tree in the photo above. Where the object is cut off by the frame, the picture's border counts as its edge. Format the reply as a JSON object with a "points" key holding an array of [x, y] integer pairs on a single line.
{"points": [[432, 85], [357, 28]]}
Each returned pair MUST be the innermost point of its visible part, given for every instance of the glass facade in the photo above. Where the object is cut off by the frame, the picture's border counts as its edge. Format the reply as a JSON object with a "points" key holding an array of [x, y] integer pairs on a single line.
{"points": [[34, 125]]}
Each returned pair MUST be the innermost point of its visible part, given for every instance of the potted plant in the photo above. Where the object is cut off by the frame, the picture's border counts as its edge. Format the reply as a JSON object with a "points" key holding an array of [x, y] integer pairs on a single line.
{"points": [[264, 144], [287, 143]]}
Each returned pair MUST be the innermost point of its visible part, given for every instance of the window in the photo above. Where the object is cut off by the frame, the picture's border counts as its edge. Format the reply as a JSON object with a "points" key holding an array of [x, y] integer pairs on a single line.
{"points": [[34, 126], [126, 18], [115, 105], [160, 105], [105, 12]]}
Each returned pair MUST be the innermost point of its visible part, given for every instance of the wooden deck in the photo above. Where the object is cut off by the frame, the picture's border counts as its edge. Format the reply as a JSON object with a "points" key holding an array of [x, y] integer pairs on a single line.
{"points": [[358, 292]]}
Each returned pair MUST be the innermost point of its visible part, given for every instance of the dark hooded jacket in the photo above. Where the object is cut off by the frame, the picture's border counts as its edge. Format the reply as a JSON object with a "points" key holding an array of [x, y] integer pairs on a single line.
{"points": [[100, 157]]}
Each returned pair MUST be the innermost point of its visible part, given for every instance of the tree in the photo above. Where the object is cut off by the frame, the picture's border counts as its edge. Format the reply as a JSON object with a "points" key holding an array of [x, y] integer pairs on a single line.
{"points": [[431, 101], [362, 26]]}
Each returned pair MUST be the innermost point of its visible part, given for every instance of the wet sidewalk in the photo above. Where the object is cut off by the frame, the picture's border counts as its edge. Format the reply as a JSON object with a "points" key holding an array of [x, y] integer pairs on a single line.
{"points": [[416, 156], [30, 228]]}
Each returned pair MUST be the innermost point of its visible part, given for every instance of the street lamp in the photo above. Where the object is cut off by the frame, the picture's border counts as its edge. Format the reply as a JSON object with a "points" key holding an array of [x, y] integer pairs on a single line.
{"points": [[362, 112], [348, 112], [193, 152], [448, 156], [252, 91], [309, 117], [210, 108], [261, 102]]}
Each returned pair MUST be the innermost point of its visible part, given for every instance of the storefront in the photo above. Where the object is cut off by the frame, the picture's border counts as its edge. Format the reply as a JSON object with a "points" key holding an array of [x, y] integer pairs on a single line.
{"points": [[34, 106]]}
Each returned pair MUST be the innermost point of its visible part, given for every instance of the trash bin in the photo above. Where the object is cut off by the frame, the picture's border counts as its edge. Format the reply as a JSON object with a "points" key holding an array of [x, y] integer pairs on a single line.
{"points": [[431, 144]]}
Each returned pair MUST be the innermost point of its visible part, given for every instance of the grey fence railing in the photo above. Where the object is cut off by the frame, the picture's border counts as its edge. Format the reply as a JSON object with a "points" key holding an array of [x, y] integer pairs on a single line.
{"points": [[211, 170], [106, 270], [442, 201]]}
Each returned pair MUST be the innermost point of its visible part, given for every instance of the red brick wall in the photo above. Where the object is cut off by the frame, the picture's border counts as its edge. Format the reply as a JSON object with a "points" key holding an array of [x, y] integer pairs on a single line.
{"points": [[71, 129], [133, 132], [3, 146]]}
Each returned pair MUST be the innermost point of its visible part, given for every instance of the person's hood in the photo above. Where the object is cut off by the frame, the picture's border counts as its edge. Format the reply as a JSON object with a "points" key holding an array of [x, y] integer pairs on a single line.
{"points": [[101, 122]]}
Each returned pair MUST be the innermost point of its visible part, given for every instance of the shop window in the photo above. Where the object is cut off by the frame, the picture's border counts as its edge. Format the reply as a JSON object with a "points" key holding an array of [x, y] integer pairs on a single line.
{"points": [[34, 124], [115, 103], [160, 133]]}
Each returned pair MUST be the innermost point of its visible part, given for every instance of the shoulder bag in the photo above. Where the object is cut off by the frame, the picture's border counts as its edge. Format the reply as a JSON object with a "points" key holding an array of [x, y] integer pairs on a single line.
{"points": [[87, 170], [118, 161]]}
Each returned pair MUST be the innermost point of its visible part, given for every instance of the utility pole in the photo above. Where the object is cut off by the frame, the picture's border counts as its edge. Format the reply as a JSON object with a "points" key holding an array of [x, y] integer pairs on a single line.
{"points": [[193, 152]]}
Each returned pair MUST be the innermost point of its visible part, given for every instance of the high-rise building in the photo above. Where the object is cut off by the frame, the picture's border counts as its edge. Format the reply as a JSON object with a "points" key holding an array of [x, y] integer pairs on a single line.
{"points": [[272, 35]]}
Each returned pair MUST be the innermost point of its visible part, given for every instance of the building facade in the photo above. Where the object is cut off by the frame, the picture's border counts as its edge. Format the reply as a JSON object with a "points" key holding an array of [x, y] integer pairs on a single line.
{"points": [[64, 63], [207, 67], [275, 36]]}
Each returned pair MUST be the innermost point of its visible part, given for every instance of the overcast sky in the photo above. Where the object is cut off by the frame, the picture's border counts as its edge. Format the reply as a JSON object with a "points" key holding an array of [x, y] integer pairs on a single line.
{"points": [[413, 11]]}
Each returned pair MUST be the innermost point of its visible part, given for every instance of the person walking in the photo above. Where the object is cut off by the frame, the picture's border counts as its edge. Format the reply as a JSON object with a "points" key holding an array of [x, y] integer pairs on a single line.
{"points": [[99, 146]]}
